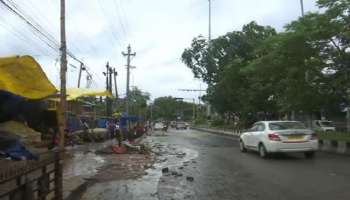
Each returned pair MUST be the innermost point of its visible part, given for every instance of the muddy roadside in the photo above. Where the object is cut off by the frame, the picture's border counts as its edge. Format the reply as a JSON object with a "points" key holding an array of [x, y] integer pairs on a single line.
{"points": [[158, 174]]}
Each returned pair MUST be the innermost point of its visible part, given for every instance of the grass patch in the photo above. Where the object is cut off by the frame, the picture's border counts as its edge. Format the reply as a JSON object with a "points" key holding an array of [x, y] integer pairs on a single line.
{"points": [[335, 136]]}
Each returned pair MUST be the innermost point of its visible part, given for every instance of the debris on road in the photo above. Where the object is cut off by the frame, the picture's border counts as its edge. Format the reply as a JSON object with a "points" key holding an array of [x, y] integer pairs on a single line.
{"points": [[165, 170], [190, 178]]}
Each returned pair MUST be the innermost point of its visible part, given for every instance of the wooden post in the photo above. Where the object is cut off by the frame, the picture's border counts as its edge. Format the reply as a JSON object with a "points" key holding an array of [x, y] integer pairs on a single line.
{"points": [[62, 108], [58, 176]]}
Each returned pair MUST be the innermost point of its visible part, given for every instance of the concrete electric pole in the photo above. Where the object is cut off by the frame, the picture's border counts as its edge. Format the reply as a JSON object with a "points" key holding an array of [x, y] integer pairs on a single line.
{"points": [[128, 55], [115, 73], [108, 88], [81, 69]]}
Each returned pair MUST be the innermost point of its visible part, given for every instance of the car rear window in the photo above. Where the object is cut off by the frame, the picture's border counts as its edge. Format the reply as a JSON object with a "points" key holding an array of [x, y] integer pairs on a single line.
{"points": [[326, 123], [286, 125]]}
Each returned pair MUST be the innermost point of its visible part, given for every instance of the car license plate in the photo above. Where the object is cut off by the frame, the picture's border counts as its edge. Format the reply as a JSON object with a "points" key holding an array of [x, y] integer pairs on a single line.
{"points": [[295, 137]]}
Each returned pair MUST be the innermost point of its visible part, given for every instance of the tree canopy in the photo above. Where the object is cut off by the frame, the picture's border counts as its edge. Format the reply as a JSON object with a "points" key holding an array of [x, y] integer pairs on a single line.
{"points": [[304, 68]]}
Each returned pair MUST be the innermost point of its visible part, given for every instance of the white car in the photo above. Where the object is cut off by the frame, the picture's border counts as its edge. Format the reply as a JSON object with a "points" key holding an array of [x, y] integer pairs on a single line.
{"points": [[181, 125], [279, 136], [159, 126], [323, 125]]}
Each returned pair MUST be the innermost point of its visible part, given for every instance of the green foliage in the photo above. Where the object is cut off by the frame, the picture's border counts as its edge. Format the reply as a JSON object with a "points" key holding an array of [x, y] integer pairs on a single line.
{"points": [[138, 102], [200, 121], [306, 67], [218, 122], [168, 108], [334, 136]]}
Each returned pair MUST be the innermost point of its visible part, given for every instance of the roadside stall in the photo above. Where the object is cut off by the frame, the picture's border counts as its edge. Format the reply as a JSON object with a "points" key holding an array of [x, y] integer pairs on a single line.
{"points": [[26, 171], [82, 123]]}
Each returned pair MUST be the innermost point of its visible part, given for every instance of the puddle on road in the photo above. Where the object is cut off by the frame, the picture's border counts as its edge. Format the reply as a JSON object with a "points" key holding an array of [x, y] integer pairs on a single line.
{"points": [[146, 187], [83, 164]]}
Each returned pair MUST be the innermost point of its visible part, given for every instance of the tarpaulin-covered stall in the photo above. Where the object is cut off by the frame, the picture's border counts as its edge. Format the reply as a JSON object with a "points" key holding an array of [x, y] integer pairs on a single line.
{"points": [[23, 84], [74, 93]]}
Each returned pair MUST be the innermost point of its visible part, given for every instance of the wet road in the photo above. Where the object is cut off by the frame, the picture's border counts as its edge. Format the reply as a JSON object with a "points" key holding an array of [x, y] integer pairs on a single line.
{"points": [[220, 171]]}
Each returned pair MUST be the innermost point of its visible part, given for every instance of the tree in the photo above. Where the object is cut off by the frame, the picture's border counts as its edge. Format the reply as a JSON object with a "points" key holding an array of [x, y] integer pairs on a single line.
{"points": [[229, 54], [138, 101], [169, 108], [305, 68]]}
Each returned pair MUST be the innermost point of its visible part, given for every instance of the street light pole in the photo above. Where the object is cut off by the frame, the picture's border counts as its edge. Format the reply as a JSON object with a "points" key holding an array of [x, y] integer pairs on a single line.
{"points": [[209, 49], [209, 34], [302, 7]]}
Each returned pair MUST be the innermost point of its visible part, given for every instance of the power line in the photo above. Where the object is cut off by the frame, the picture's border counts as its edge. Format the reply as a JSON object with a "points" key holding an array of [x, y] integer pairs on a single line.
{"points": [[43, 35], [114, 34], [119, 17]]}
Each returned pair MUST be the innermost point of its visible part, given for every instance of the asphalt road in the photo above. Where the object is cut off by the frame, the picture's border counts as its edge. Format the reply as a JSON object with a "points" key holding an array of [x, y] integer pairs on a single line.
{"points": [[221, 171]]}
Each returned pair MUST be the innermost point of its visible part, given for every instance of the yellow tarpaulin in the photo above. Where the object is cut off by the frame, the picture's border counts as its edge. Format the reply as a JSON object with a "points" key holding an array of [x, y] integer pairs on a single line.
{"points": [[23, 76], [74, 93]]}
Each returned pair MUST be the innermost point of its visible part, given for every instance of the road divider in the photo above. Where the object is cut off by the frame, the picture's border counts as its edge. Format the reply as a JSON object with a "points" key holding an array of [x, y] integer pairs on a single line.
{"points": [[216, 131], [331, 146]]}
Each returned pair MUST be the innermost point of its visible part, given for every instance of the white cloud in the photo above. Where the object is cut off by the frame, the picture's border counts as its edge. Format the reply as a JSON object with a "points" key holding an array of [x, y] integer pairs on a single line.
{"points": [[158, 30]]}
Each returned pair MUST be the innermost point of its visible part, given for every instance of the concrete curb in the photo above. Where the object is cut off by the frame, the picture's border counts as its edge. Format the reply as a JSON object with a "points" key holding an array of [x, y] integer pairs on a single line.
{"points": [[332, 146], [338, 147], [218, 132]]}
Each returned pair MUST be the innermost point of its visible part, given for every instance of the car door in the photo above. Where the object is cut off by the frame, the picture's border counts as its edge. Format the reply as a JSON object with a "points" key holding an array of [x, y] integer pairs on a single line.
{"points": [[257, 134], [248, 136]]}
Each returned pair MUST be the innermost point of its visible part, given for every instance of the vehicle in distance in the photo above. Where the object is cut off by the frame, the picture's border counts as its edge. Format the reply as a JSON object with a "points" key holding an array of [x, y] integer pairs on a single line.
{"points": [[323, 125], [173, 124], [181, 125], [159, 126], [268, 137]]}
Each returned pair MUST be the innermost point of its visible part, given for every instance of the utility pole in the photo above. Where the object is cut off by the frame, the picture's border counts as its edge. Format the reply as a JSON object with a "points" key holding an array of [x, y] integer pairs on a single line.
{"points": [[209, 35], [110, 79], [115, 73], [63, 103], [82, 68], [128, 55], [302, 7], [110, 103], [209, 49], [63, 72], [108, 86]]}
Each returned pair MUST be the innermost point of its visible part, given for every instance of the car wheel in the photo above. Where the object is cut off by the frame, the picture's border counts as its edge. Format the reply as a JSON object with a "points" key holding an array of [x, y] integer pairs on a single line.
{"points": [[242, 146], [262, 151], [309, 155]]}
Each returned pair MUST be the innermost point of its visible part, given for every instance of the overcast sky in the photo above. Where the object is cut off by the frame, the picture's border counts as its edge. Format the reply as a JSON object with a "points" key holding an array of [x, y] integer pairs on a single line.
{"points": [[158, 31]]}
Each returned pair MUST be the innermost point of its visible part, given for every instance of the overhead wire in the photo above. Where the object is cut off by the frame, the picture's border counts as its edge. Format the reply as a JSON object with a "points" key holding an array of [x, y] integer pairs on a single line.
{"points": [[27, 41], [124, 15], [40, 32], [120, 20], [114, 34]]}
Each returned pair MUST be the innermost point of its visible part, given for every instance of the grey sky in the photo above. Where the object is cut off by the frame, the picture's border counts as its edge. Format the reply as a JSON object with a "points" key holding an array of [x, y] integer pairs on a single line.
{"points": [[158, 30]]}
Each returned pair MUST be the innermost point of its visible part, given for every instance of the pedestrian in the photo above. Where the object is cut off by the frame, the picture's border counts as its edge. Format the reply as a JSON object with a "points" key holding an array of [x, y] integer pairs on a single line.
{"points": [[110, 129]]}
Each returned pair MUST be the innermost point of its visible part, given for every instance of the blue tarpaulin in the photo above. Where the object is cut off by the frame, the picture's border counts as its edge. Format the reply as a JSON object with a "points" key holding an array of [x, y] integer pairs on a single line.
{"points": [[11, 146], [125, 118]]}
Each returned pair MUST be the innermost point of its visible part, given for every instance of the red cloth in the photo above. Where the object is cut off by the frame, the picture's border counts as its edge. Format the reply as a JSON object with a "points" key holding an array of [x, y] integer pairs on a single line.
{"points": [[119, 150]]}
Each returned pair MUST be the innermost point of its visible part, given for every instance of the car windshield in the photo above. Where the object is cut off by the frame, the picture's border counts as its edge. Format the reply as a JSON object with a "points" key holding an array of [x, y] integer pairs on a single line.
{"points": [[286, 125], [326, 123]]}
